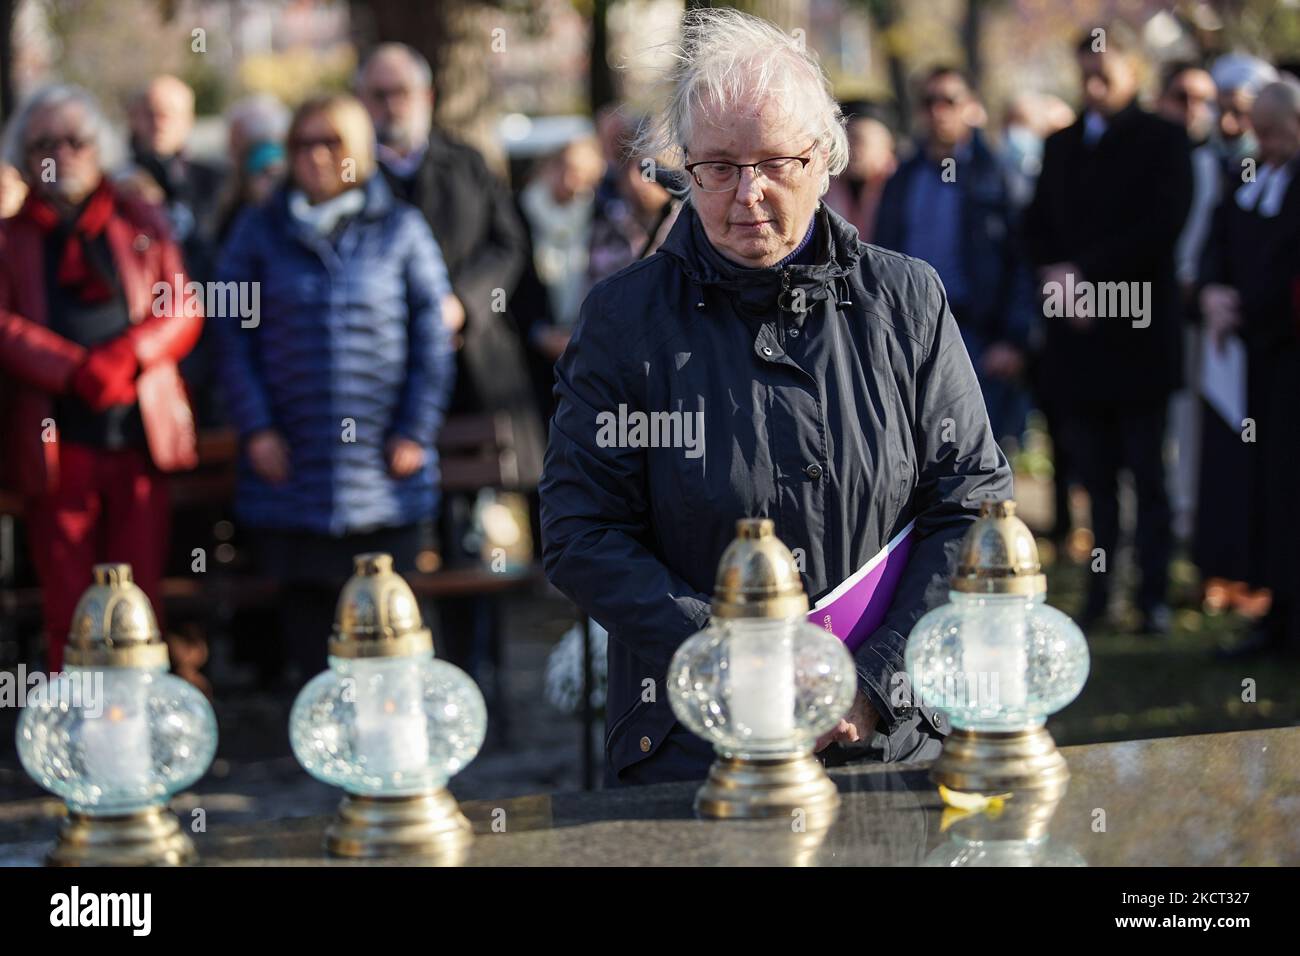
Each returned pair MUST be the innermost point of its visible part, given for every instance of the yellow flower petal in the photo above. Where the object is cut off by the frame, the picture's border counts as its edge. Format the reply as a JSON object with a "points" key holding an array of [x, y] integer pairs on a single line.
{"points": [[972, 802]]}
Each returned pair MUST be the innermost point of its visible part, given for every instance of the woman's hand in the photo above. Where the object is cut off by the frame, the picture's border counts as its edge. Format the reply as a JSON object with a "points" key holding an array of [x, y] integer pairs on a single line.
{"points": [[268, 453], [107, 376], [1221, 306], [453, 313], [858, 724], [405, 457]]}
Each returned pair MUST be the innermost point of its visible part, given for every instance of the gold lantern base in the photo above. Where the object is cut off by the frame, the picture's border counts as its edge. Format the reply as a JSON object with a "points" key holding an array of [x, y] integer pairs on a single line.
{"points": [[150, 837], [998, 761], [424, 825], [752, 789]]}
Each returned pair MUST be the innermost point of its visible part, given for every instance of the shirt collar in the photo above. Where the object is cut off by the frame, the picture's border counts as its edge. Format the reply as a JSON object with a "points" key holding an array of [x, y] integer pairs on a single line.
{"points": [[403, 167]]}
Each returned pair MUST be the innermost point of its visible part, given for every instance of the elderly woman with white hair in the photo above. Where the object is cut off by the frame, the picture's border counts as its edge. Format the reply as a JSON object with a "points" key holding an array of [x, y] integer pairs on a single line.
{"points": [[92, 407], [827, 376]]}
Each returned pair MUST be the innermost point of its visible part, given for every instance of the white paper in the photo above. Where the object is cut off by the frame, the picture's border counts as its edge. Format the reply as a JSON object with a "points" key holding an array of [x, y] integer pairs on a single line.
{"points": [[1223, 378]]}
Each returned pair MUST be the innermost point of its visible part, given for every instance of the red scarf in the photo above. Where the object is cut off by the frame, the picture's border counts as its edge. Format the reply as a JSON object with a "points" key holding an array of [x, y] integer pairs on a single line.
{"points": [[75, 270]]}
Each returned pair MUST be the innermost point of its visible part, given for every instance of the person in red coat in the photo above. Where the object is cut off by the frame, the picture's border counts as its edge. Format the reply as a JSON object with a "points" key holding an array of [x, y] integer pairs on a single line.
{"points": [[92, 408]]}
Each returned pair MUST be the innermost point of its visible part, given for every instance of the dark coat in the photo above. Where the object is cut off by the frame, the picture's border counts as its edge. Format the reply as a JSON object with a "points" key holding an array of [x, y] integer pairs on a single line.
{"points": [[871, 384], [485, 247], [1115, 209], [1001, 306], [1259, 256], [349, 329]]}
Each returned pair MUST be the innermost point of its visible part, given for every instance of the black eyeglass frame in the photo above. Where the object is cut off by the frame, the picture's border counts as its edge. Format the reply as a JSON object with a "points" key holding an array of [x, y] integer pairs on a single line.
{"points": [[690, 168]]}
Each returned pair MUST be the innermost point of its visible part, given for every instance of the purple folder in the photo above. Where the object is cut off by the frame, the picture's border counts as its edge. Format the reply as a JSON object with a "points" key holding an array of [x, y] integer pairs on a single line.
{"points": [[858, 606]]}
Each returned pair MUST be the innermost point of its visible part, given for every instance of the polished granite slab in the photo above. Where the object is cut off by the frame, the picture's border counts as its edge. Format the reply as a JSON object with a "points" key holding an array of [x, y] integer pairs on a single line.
{"points": [[1215, 799]]}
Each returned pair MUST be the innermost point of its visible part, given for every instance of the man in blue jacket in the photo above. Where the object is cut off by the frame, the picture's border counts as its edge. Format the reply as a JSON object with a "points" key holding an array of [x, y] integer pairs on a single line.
{"points": [[950, 204]]}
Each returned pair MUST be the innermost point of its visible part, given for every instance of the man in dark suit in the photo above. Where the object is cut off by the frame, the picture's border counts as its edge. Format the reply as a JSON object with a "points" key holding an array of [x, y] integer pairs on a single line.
{"points": [[476, 225], [485, 247], [1114, 192]]}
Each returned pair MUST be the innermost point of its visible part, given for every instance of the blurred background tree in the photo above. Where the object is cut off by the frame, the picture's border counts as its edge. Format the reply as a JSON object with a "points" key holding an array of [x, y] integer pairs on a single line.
{"points": [[548, 57]]}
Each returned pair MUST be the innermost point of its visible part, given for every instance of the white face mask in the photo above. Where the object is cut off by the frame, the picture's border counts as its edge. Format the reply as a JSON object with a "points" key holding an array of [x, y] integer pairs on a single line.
{"points": [[1023, 140]]}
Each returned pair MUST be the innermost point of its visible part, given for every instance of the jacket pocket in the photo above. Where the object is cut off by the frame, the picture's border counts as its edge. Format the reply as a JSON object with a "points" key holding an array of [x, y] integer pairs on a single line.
{"points": [[620, 724]]}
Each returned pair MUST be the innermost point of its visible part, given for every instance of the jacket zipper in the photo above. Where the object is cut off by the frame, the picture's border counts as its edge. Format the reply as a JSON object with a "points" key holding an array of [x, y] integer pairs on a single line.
{"points": [[781, 305]]}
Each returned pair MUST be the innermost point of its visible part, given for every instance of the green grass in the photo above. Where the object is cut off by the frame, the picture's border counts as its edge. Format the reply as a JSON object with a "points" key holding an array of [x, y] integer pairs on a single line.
{"points": [[1143, 686]]}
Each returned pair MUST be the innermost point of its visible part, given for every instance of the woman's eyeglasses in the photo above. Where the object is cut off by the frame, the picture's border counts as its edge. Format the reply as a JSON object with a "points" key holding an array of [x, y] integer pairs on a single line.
{"points": [[332, 143], [49, 145], [716, 176]]}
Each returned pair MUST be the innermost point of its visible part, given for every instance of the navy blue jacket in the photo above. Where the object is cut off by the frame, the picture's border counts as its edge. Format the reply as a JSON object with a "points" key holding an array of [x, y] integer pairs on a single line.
{"points": [[870, 383], [349, 350], [1001, 306]]}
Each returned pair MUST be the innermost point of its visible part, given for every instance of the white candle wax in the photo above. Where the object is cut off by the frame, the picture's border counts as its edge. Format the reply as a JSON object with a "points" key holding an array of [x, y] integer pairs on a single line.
{"points": [[761, 694], [993, 659], [116, 749], [391, 738]]}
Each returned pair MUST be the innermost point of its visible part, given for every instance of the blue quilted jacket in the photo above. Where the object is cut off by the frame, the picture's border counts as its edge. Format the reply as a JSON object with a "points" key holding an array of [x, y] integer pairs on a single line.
{"points": [[348, 350]]}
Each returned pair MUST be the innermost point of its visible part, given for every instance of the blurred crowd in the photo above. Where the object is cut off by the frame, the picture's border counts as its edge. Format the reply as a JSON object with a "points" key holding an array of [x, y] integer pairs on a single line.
{"points": [[397, 281]]}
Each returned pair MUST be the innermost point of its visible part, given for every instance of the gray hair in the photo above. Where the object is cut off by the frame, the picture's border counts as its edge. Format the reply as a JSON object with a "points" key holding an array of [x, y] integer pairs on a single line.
{"points": [[1283, 93], [1241, 71], [50, 98], [261, 117], [423, 72], [725, 58]]}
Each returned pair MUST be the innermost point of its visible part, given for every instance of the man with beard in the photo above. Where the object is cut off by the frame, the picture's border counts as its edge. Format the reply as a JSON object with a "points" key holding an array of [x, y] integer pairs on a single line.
{"points": [[485, 248], [92, 409]]}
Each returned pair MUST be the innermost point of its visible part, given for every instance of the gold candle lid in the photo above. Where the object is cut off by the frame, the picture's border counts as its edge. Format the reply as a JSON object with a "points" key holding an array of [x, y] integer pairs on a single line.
{"points": [[377, 613], [757, 576], [114, 624], [999, 554]]}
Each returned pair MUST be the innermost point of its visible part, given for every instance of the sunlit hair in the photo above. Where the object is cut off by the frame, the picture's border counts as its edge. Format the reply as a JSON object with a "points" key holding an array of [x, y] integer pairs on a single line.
{"points": [[1283, 95], [260, 117], [726, 59], [350, 120], [416, 60], [95, 125]]}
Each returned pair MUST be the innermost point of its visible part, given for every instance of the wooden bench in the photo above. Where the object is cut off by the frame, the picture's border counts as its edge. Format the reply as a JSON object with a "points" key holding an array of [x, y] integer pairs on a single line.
{"points": [[475, 452]]}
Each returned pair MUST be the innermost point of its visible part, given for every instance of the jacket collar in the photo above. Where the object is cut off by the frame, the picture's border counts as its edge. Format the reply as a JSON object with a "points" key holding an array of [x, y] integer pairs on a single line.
{"points": [[1118, 121], [759, 291], [837, 253], [379, 199]]}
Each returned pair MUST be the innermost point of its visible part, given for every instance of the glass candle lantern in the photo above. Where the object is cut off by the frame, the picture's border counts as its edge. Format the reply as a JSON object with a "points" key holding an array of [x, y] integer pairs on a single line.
{"points": [[762, 684], [998, 659], [389, 724], [115, 735]]}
